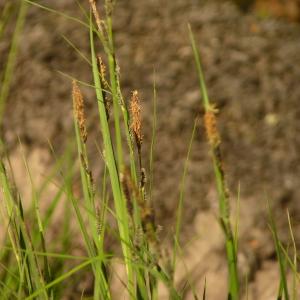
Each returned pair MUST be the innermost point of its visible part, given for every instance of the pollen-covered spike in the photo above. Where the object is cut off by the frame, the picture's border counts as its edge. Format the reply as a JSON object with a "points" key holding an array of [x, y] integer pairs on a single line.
{"points": [[79, 110], [210, 122], [136, 125]]}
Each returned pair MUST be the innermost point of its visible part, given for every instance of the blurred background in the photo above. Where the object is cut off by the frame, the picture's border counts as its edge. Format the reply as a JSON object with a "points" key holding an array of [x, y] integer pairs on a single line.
{"points": [[251, 57]]}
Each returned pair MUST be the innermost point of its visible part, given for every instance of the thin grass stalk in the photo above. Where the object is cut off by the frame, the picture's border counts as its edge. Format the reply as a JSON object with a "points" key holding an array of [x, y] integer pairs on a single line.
{"points": [[63, 277], [164, 278], [151, 163], [67, 183], [115, 95], [41, 234], [4, 17], [280, 257], [10, 209], [96, 265], [12, 215], [237, 220], [110, 52], [81, 137], [153, 139], [28, 264], [188, 274], [20, 239], [120, 205], [289, 261], [130, 144], [295, 260], [214, 141], [181, 198], [129, 138], [101, 285], [204, 290], [281, 284], [56, 12]]}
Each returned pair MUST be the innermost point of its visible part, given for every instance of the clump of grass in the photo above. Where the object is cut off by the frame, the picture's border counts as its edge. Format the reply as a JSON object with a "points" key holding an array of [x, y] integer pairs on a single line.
{"points": [[31, 271]]}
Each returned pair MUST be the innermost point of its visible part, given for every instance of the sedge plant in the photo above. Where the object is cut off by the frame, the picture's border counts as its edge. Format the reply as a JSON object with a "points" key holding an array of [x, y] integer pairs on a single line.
{"points": [[29, 267], [223, 194]]}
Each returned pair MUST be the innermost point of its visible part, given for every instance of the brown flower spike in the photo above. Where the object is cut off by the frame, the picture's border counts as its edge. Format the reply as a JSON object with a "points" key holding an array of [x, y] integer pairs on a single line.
{"points": [[210, 122], [136, 126], [79, 110], [104, 84], [96, 15], [102, 71]]}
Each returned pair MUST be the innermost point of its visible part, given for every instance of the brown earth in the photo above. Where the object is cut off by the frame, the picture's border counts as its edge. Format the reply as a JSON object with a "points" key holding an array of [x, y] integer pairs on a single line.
{"points": [[252, 72]]}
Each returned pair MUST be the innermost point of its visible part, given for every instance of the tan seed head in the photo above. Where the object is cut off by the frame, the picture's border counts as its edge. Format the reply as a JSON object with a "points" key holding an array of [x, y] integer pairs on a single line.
{"points": [[210, 122], [136, 125], [79, 110]]}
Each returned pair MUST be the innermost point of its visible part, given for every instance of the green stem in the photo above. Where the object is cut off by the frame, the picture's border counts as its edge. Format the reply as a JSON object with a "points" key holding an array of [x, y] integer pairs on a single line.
{"points": [[233, 284], [120, 203], [114, 90]]}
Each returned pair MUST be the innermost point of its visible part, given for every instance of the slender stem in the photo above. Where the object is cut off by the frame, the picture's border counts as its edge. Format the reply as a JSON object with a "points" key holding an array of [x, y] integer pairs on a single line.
{"points": [[114, 90], [120, 203], [224, 213]]}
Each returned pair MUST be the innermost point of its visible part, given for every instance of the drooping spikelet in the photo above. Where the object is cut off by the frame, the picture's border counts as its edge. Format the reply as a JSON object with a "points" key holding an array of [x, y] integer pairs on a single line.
{"points": [[210, 123], [79, 110], [99, 223], [104, 84], [136, 125], [96, 16], [102, 71]]}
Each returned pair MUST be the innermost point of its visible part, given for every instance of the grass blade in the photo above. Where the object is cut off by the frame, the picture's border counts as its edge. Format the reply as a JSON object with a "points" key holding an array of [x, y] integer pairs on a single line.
{"points": [[214, 141]]}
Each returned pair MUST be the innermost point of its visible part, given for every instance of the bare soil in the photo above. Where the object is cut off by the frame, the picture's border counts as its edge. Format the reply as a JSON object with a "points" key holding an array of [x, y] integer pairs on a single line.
{"points": [[252, 72]]}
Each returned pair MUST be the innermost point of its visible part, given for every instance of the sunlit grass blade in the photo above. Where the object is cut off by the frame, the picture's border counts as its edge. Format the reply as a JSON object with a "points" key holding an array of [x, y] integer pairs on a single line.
{"points": [[63, 277], [120, 203], [57, 13], [73, 46], [115, 94], [187, 273]]}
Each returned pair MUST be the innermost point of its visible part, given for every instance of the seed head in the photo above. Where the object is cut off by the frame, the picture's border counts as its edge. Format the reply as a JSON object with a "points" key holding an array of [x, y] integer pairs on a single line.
{"points": [[102, 71], [79, 110], [210, 122], [136, 126], [96, 16]]}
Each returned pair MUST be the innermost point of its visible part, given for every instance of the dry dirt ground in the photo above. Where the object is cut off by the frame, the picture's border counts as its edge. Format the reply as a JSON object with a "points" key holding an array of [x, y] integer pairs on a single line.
{"points": [[252, 71]]}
